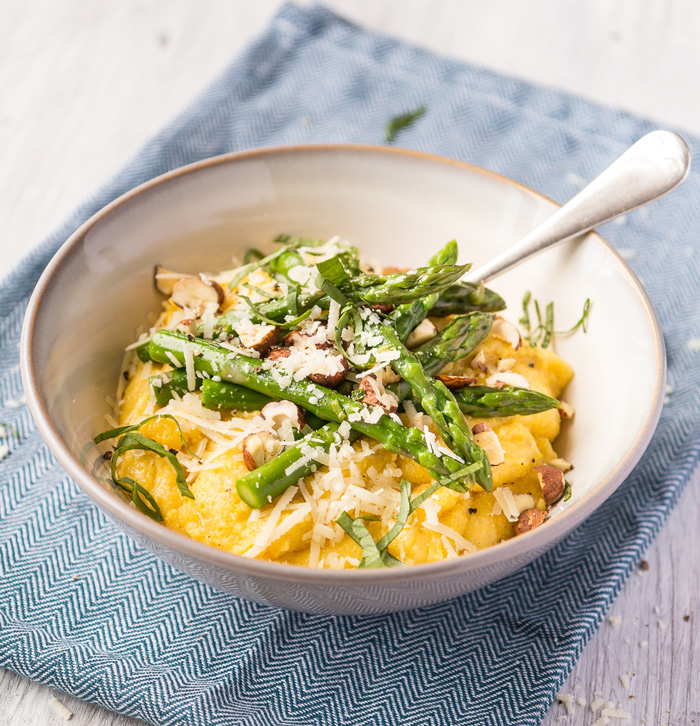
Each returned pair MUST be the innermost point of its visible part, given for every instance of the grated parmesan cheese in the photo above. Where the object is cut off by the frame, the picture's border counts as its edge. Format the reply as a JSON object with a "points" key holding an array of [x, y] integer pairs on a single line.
{"points": [[189, 367], [333, 317], [173, 360], [504, 497], [62, 710]]}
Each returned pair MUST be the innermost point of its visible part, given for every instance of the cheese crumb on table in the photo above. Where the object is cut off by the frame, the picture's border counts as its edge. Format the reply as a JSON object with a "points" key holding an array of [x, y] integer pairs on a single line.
{"points": [[63, 711]]}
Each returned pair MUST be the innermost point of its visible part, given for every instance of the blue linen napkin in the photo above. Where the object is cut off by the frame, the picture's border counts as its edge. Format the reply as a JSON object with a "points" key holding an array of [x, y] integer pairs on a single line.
{"points": [[84, 610]]}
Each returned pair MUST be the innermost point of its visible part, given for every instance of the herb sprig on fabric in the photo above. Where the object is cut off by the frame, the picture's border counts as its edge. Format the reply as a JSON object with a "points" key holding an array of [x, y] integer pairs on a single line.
{"points": [[397, 124], [5, 427]]}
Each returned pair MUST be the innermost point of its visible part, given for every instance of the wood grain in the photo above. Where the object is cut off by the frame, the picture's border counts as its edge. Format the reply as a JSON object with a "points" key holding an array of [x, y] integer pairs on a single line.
{"points": [[84, 83]]}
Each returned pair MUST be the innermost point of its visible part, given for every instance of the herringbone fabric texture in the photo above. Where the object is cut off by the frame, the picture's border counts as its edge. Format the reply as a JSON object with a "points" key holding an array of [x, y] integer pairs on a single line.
{"points": [[84, 610]]}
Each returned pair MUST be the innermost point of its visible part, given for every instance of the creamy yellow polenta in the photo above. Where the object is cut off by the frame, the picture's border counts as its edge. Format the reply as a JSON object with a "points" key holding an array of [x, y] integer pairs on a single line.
{"points": [[448, 524]]}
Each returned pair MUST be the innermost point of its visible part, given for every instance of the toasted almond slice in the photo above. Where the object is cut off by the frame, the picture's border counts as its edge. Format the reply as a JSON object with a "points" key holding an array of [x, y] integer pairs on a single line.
{"points": [[261, 339], [422, 333], [194, 293], [552, 482], [219, 290], [279, 412], [375, 395], [561, 464], [277, 353], [506, 364], [567, 411], [507, 378], [164, 279], [456, 382], [331, 378], [486, 438], [187, 326], [528, 520], [504, 329], [393, 270], [259, 448], [382, 308], [479, 361], [297, 339]]}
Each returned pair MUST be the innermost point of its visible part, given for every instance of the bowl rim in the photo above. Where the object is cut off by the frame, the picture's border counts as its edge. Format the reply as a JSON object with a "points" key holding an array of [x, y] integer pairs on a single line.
{"points": [[538, 539]]}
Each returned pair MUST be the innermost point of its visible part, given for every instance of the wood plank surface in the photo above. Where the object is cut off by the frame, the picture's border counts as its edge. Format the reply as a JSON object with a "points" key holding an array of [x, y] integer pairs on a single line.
{"points": [[84, 83]]}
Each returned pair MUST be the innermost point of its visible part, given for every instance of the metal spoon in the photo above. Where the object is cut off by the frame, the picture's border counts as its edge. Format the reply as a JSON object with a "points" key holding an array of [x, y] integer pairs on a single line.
{"points": [[651, 167]]}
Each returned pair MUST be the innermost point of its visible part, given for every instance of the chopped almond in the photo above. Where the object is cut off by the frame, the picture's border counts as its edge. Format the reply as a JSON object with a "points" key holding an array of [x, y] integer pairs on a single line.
{"points": [[507, 378], [277, 353], [384, 309], [561, 464], [259, 448], [504, 329], [479, 361], [193, 293], [528, 520], [375, 395], [456, 382], [552, 482], [331, 379], [422, 333], [485, 437], [262, 339], [278, 412], [164, 279], [567, 411], [506, 364]]}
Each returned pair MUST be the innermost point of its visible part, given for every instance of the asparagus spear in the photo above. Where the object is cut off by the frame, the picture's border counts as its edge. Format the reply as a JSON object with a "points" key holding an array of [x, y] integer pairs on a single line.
{"points": [[438, 402], [396, 289], [142, 352], [487, 402], [458, 338], [166, 386], [216, 360], [267, 482], [222, 396], [464, 297], [407, 316]]}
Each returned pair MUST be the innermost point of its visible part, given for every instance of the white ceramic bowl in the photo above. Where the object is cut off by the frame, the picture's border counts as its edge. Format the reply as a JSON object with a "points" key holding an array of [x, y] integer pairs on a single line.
{"points": [[398, 207]]}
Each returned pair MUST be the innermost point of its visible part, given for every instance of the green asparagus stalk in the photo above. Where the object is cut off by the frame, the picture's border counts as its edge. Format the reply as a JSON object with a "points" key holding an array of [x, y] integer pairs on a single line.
{"points": [[166, 386], [223, 396], [213, 359], [455, 341], [142, 352], [465, 297], [439, 404], [267, 482], [264, 484], [487, 402], [396, 289], [407, 316]]}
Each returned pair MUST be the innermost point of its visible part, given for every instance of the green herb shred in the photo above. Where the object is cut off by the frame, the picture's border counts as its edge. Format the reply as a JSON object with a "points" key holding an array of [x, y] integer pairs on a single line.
{"points": [[398, 123]]}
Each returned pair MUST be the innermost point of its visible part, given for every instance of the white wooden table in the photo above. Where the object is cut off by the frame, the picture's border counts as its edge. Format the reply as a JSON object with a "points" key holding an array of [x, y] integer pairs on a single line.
{"points": [[83, 83]]}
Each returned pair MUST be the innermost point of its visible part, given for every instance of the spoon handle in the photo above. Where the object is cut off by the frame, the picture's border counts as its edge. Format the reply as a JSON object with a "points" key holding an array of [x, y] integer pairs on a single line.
{"points": [[652, 166]]}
